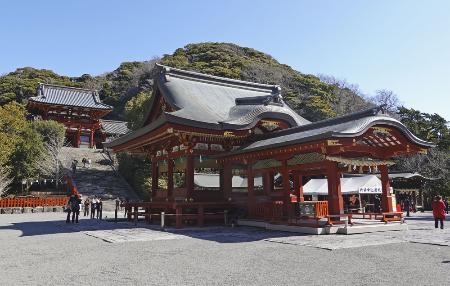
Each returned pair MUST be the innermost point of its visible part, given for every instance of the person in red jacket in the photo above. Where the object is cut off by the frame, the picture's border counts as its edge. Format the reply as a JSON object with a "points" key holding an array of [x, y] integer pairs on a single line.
{"points": [[438, 211]]}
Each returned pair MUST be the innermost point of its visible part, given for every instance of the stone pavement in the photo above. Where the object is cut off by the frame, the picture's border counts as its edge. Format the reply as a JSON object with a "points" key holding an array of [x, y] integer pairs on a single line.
{"points": [[421, 230], [41, 249]]}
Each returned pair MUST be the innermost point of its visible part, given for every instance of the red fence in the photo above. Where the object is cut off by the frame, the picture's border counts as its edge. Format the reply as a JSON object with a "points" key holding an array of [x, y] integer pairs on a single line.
{"points": [[268, 210], [32, 202], [321, 209]]}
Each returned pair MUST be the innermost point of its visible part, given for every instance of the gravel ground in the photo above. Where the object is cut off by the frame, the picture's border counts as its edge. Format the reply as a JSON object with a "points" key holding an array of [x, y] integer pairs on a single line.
{"points": [[40, 249]]}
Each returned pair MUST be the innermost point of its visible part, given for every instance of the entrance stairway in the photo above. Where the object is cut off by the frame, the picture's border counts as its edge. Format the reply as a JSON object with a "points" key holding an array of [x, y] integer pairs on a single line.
{"points": [[100, 179]]}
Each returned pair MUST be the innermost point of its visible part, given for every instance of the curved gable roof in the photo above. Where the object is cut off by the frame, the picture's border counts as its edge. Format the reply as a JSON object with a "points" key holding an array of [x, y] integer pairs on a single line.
{"points": [[225, 103], [350, 125]]}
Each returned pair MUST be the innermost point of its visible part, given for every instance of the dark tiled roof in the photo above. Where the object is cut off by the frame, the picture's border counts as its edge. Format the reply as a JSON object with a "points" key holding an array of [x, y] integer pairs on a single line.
{"points": [[349, 125], [222, 103], [213, 102], [113, 127], [69, 96]]}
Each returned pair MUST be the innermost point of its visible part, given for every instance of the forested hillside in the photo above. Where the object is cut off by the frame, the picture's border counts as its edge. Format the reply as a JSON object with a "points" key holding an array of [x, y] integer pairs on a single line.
{"points": [[310, 96]]}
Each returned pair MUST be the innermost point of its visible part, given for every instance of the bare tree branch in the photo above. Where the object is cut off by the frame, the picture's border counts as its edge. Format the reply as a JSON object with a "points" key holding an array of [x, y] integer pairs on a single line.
{"points": [[56, 160], [5, 180]]}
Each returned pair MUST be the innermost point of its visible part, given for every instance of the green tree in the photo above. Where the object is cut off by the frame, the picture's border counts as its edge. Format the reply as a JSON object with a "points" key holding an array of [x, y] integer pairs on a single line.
{"points": [[136, 108], [28, 151], [435, 164], [50, 130], [430, 127]]}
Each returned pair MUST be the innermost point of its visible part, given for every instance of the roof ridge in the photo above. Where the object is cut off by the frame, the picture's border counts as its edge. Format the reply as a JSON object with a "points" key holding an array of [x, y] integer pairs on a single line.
{"points": [[68, 87], [109, 120], [166, 70]]}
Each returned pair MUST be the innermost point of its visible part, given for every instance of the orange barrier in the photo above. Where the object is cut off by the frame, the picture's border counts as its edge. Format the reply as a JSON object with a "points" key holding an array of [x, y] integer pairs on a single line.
{"points": [[33, 202], [72, 186], [321, 208]]}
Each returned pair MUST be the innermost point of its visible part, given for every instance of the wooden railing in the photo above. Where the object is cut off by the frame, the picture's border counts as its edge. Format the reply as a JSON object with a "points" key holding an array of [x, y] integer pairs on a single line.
{"points": [[321, 209], [33, 202], [268, 210]]}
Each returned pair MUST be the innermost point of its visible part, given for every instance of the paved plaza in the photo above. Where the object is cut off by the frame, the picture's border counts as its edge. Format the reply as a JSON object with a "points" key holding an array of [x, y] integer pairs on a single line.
{"points": [[41, 249]]}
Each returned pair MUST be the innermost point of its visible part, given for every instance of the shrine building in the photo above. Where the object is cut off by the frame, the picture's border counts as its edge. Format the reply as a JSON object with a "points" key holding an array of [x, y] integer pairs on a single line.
{"points": [[80, 110], [203, 128]]}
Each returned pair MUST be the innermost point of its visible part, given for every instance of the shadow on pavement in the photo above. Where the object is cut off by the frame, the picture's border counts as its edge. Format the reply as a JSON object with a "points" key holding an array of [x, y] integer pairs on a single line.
{"points": [[32, 228], [220, 234]]}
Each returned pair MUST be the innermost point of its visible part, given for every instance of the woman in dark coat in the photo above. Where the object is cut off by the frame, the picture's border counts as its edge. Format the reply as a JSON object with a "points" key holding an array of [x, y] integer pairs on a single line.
{"points": [[438, 211]]}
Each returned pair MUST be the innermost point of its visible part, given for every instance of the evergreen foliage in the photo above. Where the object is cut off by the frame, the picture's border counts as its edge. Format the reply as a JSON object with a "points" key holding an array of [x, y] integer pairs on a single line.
{"points": [[136, 169], [22, 84]]}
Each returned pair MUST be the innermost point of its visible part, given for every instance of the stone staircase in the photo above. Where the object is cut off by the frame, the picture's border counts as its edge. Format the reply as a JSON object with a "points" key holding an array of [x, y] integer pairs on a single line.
{"points": [[100, 179]]}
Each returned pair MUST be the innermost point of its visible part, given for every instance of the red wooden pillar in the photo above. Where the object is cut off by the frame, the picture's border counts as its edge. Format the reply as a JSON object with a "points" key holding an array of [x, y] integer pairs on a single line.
{"points": [[189, 176], [170, 179], [386, 198], [251, 202], [154, 177], [298, 186], [226, 177], [335, 201], [267, 183], [91, 139], [286, 189]]}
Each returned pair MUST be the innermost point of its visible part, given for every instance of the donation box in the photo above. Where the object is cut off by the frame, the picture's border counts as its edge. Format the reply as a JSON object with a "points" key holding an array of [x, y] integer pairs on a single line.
{"points": [[307, 208]]}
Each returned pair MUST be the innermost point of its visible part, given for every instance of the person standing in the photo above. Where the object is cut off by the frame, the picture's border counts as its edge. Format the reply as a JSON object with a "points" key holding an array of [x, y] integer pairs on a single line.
{"points": [[438, 211], [89, 162], [407, 205], [117, 203], [86, 207], [74, 203], [68, 210], [446, 205], [93, 206], [74, 166], [84, 162], [99, 208]]}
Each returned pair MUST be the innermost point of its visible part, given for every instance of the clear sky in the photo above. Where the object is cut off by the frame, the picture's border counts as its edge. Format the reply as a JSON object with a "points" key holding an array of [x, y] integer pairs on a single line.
{"points": [[399, 45]]}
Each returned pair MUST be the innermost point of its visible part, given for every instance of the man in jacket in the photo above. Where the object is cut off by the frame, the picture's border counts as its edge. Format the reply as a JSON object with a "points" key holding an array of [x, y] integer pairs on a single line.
{"points": [[74, 204]]}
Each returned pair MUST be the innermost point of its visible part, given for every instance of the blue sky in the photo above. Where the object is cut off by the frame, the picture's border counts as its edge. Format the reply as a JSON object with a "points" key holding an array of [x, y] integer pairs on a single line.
{"points": [[399, 45]]}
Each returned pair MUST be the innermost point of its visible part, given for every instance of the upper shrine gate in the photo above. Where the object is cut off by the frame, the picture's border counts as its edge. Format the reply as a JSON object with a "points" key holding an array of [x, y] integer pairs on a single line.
{"points": [[80, 110]]}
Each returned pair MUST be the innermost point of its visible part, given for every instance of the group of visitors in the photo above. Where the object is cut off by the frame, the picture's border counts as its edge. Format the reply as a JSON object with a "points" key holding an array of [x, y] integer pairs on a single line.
{"points": [[73, 207], [406, 202], [95, 206], [85, 162]]}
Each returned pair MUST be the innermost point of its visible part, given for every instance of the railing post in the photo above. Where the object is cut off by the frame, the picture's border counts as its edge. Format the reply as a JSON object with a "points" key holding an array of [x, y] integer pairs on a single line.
{"points": [[162, 220], [200, 218], [178, 216]]}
